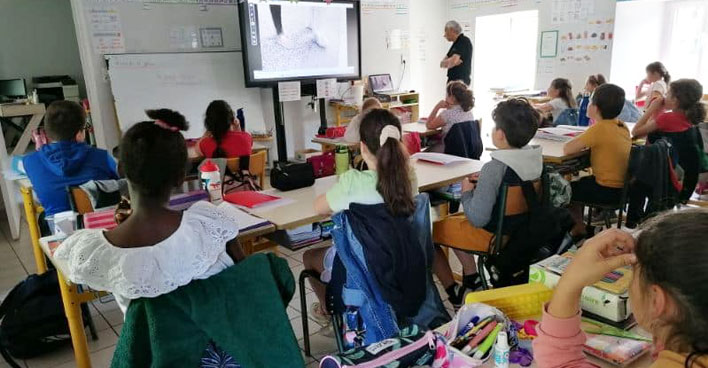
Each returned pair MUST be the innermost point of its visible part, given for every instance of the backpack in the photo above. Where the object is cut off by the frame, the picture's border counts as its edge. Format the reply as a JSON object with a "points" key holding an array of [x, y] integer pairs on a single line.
{"points": [[33, 319], [543, 232], [241, 180]]}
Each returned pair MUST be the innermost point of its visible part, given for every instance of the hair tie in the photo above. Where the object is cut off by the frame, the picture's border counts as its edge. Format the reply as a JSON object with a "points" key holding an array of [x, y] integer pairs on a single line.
{"points": [[166, 126], [389, 131]]}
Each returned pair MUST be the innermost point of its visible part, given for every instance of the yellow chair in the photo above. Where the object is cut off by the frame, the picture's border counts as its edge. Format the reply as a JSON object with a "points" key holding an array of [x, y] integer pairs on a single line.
{"points": [[32, 210], [82, 202], [256, 165]]}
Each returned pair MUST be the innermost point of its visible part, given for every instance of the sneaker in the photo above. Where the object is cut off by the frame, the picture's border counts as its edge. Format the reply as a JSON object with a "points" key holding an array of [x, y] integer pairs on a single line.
{"points": [[457, 297]]}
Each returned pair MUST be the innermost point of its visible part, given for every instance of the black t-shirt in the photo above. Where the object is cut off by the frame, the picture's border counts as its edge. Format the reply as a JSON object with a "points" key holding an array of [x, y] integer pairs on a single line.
{"points": [[463, 47]]}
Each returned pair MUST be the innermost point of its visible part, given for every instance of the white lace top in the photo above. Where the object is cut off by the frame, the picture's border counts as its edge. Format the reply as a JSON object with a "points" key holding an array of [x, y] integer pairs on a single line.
{"points": [[196, 250]]}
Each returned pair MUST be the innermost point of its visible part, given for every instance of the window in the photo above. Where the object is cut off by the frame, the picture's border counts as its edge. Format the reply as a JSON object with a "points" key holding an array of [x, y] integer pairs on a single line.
{"points": [[673, 32]]}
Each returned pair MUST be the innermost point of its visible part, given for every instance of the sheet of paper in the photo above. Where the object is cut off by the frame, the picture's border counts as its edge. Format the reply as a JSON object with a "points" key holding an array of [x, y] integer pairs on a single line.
{"points": [[438, 158], [289, 91], [106, 30], [327, 88], [549, 44], [243, 218]]}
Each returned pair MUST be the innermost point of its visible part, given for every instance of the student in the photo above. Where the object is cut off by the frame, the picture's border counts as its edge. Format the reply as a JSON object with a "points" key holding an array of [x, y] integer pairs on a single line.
{"points": [[583, 99], [561, 94], [389, 179], [66, 160], [457, 108], [352, 133], [669, 292], [223, 137], [657, 79], [516, 122], [155, 250], [687, 111], [609, 143]]}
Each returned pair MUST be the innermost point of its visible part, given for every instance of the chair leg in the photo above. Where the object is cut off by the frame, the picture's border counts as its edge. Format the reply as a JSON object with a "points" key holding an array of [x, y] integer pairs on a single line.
{"points": [[619, 217], [481, 266], [589, 223], [303, 311], [337, 326], [92, 327], [606, 216]]}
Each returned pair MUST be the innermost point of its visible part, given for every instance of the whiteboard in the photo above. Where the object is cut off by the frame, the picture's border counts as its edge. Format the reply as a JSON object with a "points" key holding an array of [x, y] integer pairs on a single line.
{"points": [[185, 82]]}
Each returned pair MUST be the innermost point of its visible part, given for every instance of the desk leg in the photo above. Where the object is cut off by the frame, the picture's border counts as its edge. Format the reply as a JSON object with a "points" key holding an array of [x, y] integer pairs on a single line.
{"points": [[72, 309], [11, 208], [24, 140]]}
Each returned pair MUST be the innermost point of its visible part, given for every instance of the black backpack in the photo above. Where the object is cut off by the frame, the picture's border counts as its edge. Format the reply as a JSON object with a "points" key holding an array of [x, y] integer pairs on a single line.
{"points": [[33, 319], [540, 236]]}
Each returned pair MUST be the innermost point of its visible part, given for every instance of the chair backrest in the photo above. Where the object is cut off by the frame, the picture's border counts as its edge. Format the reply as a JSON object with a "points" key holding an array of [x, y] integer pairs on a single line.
{"points": [[80, 200], [513, 200], [465, 140], [569, 116], [256, 165]]}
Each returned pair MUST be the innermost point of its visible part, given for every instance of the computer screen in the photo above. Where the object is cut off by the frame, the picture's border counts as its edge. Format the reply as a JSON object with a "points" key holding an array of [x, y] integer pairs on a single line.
{"points": [[381, 83], [13, 88], [304, 40]]}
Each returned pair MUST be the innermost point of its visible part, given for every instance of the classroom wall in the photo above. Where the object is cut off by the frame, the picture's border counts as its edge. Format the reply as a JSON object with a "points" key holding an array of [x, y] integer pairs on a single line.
{"points": [[466, 11], [386, 42], [38, 38]]}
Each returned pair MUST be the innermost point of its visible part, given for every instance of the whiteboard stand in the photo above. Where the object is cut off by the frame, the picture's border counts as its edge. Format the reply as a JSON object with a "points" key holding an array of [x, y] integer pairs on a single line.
{"points": [[279, 126]]}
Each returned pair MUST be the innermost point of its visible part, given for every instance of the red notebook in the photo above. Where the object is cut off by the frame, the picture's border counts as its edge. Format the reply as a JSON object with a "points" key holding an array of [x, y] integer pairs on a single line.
{"points": [[249, 199]]}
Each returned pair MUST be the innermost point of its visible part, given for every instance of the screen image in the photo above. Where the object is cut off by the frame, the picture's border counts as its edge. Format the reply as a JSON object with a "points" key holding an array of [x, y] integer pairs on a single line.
{"points": [[284, 40]]}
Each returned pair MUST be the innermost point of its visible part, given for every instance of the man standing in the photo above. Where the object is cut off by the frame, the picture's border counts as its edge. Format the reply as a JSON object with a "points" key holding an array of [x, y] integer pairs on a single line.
{"points": [[458, 61]]}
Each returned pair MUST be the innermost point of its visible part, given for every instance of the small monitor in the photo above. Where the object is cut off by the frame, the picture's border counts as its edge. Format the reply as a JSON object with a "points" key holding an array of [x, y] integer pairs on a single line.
{"points": [[381, 83], [13, 88]]}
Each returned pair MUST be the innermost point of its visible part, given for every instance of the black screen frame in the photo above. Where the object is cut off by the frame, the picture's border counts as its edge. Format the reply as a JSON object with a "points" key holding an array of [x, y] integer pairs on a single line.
{"points": [[245, 31]]}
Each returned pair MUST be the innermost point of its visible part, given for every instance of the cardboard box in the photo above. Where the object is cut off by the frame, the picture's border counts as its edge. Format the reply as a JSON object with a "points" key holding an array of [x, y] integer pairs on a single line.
{"points": [[608, 305]]}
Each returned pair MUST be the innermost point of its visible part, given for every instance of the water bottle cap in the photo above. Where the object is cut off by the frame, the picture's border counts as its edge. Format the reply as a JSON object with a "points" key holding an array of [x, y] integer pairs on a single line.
{"points": [[209, 166]]}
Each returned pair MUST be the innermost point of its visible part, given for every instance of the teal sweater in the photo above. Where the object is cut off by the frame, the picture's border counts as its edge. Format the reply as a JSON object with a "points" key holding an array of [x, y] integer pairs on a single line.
{"points": [[242, 309]]}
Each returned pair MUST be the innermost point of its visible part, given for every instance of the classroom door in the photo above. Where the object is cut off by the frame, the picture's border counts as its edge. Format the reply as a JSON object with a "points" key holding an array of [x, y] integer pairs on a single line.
{"points": [[505, 51]]}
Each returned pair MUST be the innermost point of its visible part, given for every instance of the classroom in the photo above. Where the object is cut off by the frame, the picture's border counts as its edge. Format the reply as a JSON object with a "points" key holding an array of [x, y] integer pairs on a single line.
{"points": [[354, 183]]}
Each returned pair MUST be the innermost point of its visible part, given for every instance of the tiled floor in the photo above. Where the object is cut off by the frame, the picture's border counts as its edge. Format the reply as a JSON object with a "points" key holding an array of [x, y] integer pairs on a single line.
{"points": [[17, 261]]}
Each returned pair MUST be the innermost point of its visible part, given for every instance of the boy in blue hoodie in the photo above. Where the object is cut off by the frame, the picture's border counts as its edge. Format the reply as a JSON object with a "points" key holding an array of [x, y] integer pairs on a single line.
{"points": [[66, 160]]}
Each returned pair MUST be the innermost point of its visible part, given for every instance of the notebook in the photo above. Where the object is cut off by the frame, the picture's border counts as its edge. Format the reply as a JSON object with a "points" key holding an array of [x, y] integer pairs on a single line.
{"points": [[616, 282], [438, 158], [245, 220], [250, 199]]}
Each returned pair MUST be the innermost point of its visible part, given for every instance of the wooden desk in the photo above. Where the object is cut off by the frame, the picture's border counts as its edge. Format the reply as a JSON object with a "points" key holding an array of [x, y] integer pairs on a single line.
{"points": [[419, 128], [300, 211], [9, 190]]}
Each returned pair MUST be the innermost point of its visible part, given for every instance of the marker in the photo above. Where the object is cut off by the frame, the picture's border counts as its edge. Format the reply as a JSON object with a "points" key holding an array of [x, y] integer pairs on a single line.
{"points": [[479, 337], [469, 326], [488, 342]]}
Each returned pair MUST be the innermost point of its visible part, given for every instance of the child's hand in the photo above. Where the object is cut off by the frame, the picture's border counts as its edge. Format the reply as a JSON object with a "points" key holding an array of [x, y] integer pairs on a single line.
{"points": [[442, 104], [469, 183], [600, 255], [607, 251]]}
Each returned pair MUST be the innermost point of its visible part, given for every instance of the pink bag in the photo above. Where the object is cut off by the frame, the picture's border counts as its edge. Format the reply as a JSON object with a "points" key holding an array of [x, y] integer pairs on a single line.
{"points": [[323, 165], [412, 142]]}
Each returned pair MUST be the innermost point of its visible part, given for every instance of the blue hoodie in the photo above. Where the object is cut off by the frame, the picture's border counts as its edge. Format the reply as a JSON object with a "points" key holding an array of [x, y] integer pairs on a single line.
{"points": [[59, 165]]}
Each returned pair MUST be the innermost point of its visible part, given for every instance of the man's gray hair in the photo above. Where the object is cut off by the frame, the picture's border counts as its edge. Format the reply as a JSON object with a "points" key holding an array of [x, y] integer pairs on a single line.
{"points": [[454, 26]]}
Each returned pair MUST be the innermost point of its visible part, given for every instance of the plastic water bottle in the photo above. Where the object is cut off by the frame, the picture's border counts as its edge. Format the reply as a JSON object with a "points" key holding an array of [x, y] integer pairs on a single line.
{"points": [[341, 159], [501, 351], [211, 181]]}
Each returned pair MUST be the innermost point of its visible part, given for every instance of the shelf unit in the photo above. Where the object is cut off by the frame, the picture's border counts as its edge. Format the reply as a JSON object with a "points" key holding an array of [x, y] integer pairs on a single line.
{"points": [[405, 105]]}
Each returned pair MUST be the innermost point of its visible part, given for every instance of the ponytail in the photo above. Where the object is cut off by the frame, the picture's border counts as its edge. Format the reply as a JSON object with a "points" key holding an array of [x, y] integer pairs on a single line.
{"points": [[689, 92], [565, 90], [380, 131], [597, 80], [462, 94], [217, 121], [659, 68]]}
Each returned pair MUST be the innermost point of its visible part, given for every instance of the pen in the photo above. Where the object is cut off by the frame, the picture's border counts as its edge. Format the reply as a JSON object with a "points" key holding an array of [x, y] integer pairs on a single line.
{"points": [[479, 337], [488, 342]]}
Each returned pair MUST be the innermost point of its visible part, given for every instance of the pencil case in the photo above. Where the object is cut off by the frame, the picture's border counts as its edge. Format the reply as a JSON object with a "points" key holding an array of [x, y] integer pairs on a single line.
{"points": [[463, 317]]}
